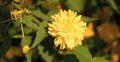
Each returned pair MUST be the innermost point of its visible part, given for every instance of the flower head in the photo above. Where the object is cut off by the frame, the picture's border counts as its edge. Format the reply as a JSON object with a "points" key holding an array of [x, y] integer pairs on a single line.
{"points": [[67, 28], [26, 49], [16, 14]]}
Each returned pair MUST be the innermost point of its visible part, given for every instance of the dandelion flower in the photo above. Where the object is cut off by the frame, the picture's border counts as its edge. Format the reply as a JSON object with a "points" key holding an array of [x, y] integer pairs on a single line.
{"points": [[68, 29], [16, 14]]}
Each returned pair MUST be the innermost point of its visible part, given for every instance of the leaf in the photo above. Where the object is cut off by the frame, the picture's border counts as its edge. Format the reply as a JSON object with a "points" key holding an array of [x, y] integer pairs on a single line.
{"points": [[44, 24], [4, 47], [88, 19], [29, 56], [99, 59], [44, 55], [12, 31], [53, 1], [77, 5], [27, 20], [70, 58], [40, 34], [18, 6], [17, 23], [52, 11], [38, 13], [27, 40], [114, 6], [82, 53], [27, 30]]}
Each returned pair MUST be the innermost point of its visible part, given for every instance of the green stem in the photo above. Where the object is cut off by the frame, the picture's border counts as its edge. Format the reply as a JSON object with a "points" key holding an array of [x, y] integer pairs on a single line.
{"points": [[23, 35], [17, 36], [22, 30], [35, 20], [5, 21]]}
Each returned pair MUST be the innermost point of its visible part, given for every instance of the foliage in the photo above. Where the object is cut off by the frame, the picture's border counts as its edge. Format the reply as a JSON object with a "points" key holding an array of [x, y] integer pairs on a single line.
{"points": [[31, 29]]}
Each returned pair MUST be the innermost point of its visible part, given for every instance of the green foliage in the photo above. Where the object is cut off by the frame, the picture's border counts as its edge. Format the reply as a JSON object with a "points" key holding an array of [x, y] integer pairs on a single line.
{"points": [[27, 40], [83, 54], [113, 5], [38, 13], [52, 11], [27, 30], [29, 56], [70, 58], [40, 35], [12, 31], [99, 59], [88, 19], [52, 1], [28, 21], [45, 55], [77, 5]]}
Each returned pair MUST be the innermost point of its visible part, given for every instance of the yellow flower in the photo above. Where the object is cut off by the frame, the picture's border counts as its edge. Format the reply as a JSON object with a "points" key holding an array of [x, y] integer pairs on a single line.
{"points": [[67, 28], [16, 14], [26, 49]]}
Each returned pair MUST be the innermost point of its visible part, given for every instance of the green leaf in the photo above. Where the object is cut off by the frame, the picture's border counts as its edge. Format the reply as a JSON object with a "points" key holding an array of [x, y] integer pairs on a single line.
{"points": [[17, 23], [114, 6], [12, 31], [29, 56], [77, 5], [44, 24], [40, 35], [52, 11], [26, 40], [88, 19], [70, 58], [4, 47], [44, 55], [27, 20], [99, 59], [18, 6], [82, 53], [27, 30], [38, 13], [53, 1]]}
